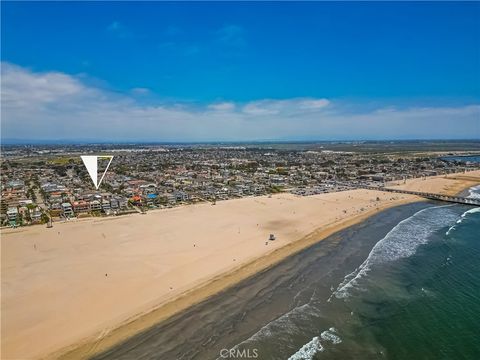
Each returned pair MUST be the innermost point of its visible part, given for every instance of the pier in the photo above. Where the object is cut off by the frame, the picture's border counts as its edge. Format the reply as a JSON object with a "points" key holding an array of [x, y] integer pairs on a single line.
{"points": [[430, 196]]}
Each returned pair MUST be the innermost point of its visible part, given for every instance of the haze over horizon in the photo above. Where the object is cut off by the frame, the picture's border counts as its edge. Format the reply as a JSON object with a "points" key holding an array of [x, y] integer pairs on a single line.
{"points": [[173, 72]]}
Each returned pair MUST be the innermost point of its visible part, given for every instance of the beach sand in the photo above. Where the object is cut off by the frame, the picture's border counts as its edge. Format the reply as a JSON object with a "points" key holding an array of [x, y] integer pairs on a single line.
{"points": [[83, 286], [452, 184], [263, 311]]}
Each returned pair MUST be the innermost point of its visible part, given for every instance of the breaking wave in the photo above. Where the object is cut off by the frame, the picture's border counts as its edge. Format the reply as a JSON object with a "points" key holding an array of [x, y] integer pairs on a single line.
{"points": [[308, 351], [462, 217], [474, 192], [314, 346], [282, 327], [402, 241]]}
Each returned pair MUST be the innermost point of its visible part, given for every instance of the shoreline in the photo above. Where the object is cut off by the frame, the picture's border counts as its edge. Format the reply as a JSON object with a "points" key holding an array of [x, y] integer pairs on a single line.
{"points": [[208, 289], [236, 316], [222, 281]]}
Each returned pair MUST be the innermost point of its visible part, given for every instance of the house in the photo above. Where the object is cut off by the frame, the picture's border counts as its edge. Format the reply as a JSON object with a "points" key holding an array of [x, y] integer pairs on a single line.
{"points": [[180, 196], [55, 206], [12, 214], [16, 184], [81, 207], [106, 196], [151, 199], [171, 198], [118, 202], [67, 209], [95, 205], [83, 197], [148, 188], [106, 205], [36, 215], [114, 204], [122, 202], [136, 200]]}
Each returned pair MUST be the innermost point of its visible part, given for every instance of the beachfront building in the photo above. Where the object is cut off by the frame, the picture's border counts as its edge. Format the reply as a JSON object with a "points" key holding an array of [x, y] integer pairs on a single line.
{"points": [[114, 204], [118, 202], [171, 198], [67, 209], [95, 205], [122, 202], [36, 215], [136, 200], [106, 205], [151, 199], [81, 207], [12, 214], [180, 196]]}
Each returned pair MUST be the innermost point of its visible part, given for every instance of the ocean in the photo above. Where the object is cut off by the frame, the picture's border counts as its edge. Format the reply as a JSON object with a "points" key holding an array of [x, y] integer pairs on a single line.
{"points": [[404, 284], [416, 296], [468, 158]]}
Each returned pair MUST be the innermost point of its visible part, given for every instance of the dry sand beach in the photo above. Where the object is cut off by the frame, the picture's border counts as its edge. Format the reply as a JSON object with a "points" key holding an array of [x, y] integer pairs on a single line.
{"points": [[82, 286]]}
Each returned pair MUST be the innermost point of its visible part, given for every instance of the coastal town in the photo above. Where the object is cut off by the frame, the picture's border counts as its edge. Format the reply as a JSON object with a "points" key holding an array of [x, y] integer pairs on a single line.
{"points": [[47, 184], [231, 180]]}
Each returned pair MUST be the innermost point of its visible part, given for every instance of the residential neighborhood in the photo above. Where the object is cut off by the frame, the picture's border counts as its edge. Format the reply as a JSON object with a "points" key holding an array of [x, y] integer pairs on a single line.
{"points": [[45, 184]]}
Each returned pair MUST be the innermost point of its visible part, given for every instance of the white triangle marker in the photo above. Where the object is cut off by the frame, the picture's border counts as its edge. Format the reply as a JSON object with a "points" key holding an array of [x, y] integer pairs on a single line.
{"points": [[91, 163]]}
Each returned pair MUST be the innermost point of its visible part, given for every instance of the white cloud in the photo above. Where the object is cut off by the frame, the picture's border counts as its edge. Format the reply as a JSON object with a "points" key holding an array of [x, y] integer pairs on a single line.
{"points": [[315, 103], [261, 107], [22, 88], [288, 106], [54, 105], [223, 106]]}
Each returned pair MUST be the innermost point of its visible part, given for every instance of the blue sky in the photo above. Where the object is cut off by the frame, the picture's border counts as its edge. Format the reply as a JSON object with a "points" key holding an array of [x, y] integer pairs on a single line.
{"points": [[240, 71]]}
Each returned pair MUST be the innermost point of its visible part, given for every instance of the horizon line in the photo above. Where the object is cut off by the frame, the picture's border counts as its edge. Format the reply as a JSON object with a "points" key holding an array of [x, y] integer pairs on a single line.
{"points": [[174, 142]]}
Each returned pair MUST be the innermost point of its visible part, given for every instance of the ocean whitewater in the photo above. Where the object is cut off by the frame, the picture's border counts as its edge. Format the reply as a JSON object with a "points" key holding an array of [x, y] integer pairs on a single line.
{"points": [[399, 302], [384, 293]]}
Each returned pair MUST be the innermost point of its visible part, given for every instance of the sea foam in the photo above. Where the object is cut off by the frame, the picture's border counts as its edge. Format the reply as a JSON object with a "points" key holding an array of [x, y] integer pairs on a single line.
{"points": [[331, 336], [474, 192], [282, 327], [308, 351], [402, 241], [314, 346]]}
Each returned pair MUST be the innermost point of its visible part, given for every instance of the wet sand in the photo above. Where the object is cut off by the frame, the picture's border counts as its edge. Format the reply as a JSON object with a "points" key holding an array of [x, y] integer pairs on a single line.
{"points": [[234, 315]]}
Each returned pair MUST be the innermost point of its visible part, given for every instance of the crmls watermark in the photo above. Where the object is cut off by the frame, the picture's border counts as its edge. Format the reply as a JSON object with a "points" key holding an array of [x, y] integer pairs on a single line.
{"points": [[239, 353]]}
